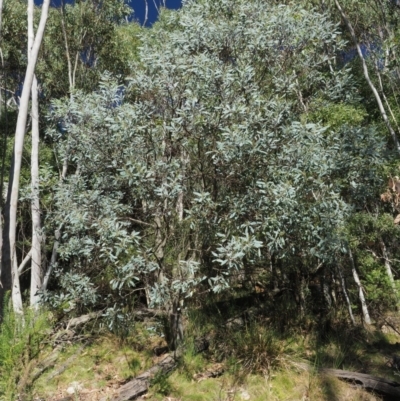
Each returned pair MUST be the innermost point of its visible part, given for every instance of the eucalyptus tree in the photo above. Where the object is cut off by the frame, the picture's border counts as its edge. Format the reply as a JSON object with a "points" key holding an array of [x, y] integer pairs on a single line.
{"points": [[211, 168], [372, 28], [36, 250], [381, 106], [82, 42], [89, 37], [9, 265]]}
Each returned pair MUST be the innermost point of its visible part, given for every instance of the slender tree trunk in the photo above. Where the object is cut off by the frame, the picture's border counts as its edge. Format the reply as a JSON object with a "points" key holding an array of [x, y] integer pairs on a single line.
{"points": [[387, 262], [36, 258], [1, 14], [53, 259], [384, 96], [36, 270], [176, 325], [325, 289], [27, 258], [346, 296], [3, 156], [1, 239], [367, 78], [146, 12], [18, 148], [363, 302], [1, 166], [6, 278], [67, 53], [389, 272]]}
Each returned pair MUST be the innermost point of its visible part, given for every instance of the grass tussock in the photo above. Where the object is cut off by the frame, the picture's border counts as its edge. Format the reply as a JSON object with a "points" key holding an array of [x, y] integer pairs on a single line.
{"points": [[255, 348], [21, 342], [252, 361]]}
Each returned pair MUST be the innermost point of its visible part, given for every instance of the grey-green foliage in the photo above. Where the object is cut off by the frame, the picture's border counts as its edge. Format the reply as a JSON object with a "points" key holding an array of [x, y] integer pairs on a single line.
{"points": [[212, 123], [75, 291]]}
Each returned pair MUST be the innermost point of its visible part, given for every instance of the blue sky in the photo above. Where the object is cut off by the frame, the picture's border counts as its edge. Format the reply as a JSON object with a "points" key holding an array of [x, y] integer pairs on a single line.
{"points": [[137, 5]]}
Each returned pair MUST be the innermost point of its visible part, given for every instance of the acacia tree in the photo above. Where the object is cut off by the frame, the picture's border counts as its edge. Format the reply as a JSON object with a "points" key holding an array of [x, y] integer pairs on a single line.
{"points": [[213, 160]]}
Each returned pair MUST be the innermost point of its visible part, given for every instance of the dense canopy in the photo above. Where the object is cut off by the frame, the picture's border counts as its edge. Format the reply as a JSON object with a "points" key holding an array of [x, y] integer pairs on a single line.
{"points": [[237, 149]]}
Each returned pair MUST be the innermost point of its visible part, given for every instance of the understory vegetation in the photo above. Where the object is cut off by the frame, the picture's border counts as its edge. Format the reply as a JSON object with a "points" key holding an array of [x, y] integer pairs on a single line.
{"points": [[222, 187]]}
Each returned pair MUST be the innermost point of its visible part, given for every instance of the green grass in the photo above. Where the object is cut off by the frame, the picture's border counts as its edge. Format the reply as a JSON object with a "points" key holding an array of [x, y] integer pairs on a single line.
{"points": [[258, 362], [20, 346], [104, 363]]}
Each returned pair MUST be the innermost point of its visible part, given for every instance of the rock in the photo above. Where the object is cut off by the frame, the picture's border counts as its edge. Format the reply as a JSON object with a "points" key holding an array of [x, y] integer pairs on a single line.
{"points": [[74, 387]]}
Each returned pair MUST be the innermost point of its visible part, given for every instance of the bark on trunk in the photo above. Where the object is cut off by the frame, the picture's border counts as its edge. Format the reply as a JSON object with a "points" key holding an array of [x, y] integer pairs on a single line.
{"points": [[141, 383], [4, 283], [3, 152], [36, 259], [363, 302], [176, 326], [53, 259], [325, 288], [27, 258], [1, 249], [346, 296], [387, 263], [1, 13], [18, 148]]}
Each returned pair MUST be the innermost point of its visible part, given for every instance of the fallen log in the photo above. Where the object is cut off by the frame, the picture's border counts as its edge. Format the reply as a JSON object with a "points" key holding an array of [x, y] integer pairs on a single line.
{"points": [[140, 384], [387, 388], [66, 364], [139, 314], [77, 321], [45, 364], [379, 385]]}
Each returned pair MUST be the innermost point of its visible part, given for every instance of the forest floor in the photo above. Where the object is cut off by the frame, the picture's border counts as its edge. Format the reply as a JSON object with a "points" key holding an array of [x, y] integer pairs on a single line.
{"points": [[268, 367]]}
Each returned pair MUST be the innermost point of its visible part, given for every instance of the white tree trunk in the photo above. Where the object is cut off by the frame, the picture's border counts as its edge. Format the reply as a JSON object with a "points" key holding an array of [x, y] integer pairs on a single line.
{"points": [[363, 302], [388, 267], [367, 78], [27, 258], [36, 270], [18, 148]]}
